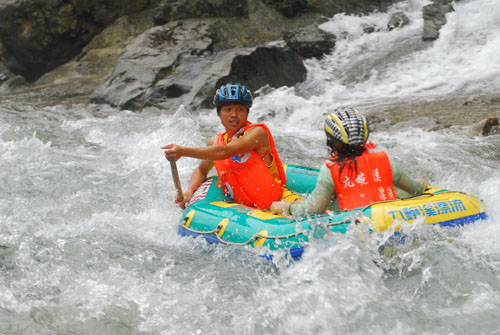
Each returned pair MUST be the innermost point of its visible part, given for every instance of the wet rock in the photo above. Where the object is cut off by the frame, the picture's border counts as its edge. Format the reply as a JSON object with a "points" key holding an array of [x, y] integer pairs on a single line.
{"points": [[434, 18], [477, 100], [40, 35], [173, 10], [77, 79], [8, 81], [176, 66], [397, 20], [292, 8], [490, 126], [494, 130], [254, 67], [151, 58], [310, 41], [198, 74], [176, 90], [12, 83], [472, 100], [271, 66], [377, 122], [495, 100], [424, 122], [368, 29], [4, 74]]}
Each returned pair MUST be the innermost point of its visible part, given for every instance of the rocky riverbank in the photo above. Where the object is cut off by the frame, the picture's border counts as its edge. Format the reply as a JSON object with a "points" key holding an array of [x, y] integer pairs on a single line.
{"points": [[138, 53]]}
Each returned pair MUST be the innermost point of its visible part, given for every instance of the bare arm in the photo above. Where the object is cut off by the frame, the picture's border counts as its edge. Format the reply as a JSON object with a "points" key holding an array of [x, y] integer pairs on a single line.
{"points": [[316, 203], [405, 183], [254, 139], [197, 178]]}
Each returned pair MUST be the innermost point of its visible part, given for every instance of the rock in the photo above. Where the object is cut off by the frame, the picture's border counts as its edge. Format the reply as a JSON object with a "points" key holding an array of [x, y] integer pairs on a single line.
{"points": [[271, 66], [174, 64], [377, 122], [368, 29], [12, 83], [77, 79], [482, 100], [253, 67], [495, 130], [8, 80], [149, 59], [472, 100], [485, 127], [424, 122], [292, 8], [397, 20], [434, 18], [495, 100], [196, 73], [127, 64], [310, 41], [40, 35], [173, 10], [176, 90], [5, 74]]}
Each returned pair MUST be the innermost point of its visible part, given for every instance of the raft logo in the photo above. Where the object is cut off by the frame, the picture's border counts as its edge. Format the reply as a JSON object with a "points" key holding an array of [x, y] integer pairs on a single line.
{"points": [[432, 209], [201, 192]]}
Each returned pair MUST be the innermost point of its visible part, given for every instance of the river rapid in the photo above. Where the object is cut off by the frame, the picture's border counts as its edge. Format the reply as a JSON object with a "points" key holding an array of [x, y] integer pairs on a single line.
{"points": [[88, 238]]}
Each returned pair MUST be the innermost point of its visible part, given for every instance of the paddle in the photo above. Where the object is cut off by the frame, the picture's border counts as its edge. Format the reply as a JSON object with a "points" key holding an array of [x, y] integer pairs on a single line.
{"points": [[177, 181]]}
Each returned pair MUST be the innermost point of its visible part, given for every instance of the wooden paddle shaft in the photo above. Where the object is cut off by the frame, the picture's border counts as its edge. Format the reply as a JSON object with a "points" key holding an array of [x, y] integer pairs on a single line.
{"points": [[177, 181]]}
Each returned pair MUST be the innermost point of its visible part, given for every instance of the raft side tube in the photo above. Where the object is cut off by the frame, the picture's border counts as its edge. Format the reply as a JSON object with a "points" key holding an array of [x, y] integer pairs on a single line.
{"points": [[218, 219]]}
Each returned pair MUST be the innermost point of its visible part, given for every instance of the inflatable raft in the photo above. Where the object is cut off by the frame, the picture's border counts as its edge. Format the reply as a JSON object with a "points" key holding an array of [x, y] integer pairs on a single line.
{"points": [[218, 219]]}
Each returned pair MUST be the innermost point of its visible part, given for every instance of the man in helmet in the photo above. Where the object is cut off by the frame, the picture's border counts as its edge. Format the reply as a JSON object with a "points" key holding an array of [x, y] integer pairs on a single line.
{"points": [[245, 157], [352, 177]]}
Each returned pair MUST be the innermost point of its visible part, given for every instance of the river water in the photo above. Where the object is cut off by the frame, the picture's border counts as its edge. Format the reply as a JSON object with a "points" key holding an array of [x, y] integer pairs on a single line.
{"points": [[88, 241]]}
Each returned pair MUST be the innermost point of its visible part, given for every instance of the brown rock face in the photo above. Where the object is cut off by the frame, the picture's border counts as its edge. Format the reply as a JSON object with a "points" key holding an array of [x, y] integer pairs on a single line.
{"points": [[40, 35]]}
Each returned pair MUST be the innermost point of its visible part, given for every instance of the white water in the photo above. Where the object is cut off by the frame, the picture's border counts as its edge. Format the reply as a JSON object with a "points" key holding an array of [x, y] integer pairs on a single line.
{"points": [[88, 241]]}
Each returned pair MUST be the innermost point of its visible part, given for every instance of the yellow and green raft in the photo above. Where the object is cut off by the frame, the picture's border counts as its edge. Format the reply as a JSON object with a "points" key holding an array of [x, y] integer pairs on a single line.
{"points": [[218, 219]]}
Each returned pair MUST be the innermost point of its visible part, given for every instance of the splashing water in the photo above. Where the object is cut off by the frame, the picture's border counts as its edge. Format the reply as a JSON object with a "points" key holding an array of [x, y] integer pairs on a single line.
{"points": [[88, 243]]}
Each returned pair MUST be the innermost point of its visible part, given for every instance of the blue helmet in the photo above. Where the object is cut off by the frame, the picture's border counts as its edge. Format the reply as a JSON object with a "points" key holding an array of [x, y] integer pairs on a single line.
{"points": [[233, 94]]}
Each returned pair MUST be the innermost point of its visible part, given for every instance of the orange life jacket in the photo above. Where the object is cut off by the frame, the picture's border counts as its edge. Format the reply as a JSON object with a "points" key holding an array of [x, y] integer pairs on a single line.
{"points": [[246, 178], [371, 183]]}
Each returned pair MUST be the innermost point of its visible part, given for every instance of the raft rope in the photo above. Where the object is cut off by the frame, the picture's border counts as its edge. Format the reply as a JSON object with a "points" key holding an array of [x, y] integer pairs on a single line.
{"points": [[358, 217]]}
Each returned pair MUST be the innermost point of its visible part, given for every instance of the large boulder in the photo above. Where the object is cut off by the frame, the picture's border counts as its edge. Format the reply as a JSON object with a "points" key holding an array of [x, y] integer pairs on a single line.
{"points": [[173, 10], [486, 127], [397, 20], [272, 66], [5, 74], [40, 35], [310, 41], [129, 64], [175, 64], [151, 58], [8, 80], [434, 18], [79, 77], [292, 8]]}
